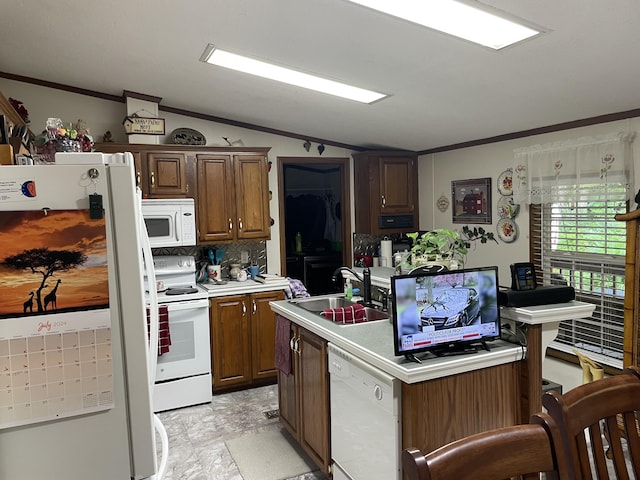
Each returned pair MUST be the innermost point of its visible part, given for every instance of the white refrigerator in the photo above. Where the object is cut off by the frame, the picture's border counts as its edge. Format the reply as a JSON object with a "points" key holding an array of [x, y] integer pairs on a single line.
{"points": [[75, 396]]}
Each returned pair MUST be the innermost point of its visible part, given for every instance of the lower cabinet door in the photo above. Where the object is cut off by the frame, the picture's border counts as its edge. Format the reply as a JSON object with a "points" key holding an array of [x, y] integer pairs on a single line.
{"points": [[230, 341]]}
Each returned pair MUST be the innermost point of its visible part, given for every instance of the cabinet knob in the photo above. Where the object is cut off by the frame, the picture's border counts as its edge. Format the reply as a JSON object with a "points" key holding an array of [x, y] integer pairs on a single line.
{"points": [[239, 223], [384, 201], [138, 179], [244, 308], [230, 225], [254, 307], [153, 179]]}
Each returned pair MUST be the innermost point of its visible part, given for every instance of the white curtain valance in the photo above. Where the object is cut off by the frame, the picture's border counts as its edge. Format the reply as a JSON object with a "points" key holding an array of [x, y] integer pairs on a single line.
{"points": [[540, 172]]}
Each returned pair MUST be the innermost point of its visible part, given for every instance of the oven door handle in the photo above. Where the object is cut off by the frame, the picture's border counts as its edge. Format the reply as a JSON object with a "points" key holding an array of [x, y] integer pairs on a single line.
{"points": [[187, 305]]}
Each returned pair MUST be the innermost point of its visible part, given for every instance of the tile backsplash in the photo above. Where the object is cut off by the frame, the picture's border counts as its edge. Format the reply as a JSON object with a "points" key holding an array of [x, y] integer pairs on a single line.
{"points": [[257, 253]]}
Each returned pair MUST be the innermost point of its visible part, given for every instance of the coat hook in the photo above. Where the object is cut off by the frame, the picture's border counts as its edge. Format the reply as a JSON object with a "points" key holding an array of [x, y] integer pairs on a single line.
{"points": [[320, 148], [307, 145], [46, 211]]}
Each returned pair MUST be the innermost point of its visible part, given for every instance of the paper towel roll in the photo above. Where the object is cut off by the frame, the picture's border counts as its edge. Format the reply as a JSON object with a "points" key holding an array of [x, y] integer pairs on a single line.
{"points": [[386, 253]]}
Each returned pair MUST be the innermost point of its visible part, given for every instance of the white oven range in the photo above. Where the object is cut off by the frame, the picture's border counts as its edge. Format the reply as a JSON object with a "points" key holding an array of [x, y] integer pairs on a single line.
{"points": [[183, 374]]}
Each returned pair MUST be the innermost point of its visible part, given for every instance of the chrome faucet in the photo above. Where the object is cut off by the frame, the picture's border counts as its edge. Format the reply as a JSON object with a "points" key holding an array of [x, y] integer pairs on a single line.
{"points": [[365, 278]]}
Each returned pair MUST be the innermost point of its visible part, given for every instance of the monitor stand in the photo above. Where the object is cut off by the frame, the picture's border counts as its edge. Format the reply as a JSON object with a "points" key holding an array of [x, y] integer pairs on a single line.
{"points": [[451, 349], [459, 348], [412, 358]]}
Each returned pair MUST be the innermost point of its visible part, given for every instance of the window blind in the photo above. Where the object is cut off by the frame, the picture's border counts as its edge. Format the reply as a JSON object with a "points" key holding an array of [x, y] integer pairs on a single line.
{"points": [[576, 241]]}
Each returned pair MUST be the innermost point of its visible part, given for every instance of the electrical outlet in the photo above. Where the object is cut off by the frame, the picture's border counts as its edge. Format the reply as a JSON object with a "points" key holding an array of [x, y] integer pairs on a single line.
{"points": [[244, 256]]}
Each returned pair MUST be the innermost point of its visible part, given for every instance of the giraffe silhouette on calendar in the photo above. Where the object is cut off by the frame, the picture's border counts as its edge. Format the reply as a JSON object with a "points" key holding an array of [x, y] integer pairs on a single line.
{"points": [[28, 305], [50, 298]]}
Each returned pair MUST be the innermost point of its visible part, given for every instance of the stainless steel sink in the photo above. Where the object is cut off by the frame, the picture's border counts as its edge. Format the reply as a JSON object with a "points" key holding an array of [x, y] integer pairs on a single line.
{"points": [[318, 304]]}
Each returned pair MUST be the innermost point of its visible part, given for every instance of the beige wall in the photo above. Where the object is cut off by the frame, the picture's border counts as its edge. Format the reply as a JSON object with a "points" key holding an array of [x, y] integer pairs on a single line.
{"points": [[436, 173], [103, 115]]}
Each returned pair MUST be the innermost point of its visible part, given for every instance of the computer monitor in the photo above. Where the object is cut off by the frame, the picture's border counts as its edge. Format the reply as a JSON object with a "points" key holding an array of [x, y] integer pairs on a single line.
{"points": [[447, 312]]}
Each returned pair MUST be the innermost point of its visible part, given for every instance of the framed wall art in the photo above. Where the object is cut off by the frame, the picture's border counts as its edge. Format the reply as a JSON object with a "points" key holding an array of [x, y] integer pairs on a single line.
{"points": [[471, 200]]}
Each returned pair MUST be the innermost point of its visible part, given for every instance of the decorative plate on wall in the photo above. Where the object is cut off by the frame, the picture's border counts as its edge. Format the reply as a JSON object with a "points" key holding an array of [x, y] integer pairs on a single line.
{"points": [[187, 136], [507, 230], [505, 182], [506, 207]]}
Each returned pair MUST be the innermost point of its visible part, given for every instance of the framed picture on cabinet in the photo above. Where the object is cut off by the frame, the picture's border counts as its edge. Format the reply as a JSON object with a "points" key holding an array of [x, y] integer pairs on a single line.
{"points": [[471, 200]]}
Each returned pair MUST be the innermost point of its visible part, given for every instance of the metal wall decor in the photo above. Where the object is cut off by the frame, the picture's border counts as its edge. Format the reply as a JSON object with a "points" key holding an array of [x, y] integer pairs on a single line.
{"points": [[442, 203]]}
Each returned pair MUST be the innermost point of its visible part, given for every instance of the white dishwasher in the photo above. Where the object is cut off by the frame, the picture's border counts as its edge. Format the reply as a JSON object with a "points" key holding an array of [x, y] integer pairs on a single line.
{"points": [[365, 419]]}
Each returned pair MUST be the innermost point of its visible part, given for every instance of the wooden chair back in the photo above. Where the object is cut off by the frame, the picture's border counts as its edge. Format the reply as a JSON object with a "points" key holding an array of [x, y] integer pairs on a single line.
{"points": [[598, 420], [520, 451]]}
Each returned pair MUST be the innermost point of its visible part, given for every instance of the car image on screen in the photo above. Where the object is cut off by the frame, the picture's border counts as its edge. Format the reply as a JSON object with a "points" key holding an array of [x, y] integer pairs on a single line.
{"points": [[453, 307]]}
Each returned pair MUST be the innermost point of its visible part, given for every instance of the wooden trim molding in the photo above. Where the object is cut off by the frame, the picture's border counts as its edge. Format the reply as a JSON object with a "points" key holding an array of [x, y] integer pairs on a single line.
{"points": [[610, 117]]}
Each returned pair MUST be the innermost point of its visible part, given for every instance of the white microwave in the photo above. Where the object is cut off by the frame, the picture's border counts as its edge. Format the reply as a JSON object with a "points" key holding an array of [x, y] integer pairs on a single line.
{"points": [[171, 222]]}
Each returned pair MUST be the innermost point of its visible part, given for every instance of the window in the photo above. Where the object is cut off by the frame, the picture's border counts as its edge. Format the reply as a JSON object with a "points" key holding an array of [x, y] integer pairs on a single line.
{"points": [[575, 240]]}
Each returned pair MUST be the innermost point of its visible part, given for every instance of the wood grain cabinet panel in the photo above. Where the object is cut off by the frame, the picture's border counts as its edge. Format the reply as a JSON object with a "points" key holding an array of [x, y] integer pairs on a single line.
{"points": [[386, 192], [167, 174], [263, 334], [304, 396], [216, 198], [233, 197], [243, 333], [230, 341]]}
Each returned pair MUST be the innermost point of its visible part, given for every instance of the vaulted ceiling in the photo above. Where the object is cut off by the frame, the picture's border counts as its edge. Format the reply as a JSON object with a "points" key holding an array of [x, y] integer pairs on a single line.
{"points": [[444, 91]]}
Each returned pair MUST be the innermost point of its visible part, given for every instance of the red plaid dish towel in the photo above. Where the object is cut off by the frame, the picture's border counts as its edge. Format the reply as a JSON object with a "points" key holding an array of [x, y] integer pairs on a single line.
{"points": [[353, 314], [164, 335]]}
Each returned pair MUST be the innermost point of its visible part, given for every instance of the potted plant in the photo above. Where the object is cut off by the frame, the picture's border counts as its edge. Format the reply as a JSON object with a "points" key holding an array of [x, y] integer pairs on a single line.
{"points": [[444, 247]]}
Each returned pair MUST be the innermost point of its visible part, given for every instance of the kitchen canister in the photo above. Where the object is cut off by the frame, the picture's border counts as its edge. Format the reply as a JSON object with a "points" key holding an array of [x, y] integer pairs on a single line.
{"points": [[386, 253], [234, 271]]}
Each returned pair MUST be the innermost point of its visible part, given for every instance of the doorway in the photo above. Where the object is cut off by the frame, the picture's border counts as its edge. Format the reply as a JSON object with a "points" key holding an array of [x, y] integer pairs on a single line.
{"points": [[315, 219]]}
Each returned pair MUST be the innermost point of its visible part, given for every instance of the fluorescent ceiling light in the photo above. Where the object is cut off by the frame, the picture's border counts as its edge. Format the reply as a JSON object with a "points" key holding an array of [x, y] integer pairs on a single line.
{"points": [[225, 59], [456, 18]]}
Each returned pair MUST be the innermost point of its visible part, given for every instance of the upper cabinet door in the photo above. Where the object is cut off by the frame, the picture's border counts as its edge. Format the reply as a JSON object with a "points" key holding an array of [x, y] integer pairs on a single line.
{"points": [[252, 197], [386, 191], [167, 174], [216, 198], [396, 181]]}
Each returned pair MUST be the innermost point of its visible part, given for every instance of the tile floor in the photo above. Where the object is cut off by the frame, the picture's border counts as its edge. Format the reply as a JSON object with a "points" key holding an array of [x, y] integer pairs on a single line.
{"points": [[197, 434]]}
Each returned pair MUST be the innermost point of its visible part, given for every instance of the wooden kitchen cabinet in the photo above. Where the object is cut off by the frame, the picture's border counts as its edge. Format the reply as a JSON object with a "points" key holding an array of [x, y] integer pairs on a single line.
{"points": [[230, 185], [167, 174], [303, 396], [243, 339], [386, 192], [162, 171], [263, 335], [233, 196]]}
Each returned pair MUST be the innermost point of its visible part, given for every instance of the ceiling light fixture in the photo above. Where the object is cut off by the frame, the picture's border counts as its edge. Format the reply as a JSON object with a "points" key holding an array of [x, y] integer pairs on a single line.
{"points": [[456, 18], [222, 58]]}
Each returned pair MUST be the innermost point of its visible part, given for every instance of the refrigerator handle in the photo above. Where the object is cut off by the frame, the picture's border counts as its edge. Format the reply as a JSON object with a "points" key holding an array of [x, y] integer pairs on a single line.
{"points": [[153, 336]]}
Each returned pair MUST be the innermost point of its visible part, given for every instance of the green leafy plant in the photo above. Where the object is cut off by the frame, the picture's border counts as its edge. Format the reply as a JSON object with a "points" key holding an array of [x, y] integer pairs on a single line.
{"points": [[444, 245]]}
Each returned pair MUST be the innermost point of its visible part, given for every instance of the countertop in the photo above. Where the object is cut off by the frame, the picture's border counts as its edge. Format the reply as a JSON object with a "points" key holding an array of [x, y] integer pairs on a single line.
{"points": [[233, 287], [372, 342]]}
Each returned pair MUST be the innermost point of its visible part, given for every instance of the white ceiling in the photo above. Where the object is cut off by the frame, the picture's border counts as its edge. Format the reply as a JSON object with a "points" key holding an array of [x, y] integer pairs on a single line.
{"points": [[444, 90]]}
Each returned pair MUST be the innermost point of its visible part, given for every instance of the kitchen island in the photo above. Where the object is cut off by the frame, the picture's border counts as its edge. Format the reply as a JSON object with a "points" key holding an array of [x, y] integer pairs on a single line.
{"points": [[440, 400]]}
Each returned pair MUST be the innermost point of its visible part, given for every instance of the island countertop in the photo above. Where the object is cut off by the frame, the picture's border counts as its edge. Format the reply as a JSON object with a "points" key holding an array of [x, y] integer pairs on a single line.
{"points": [[372, 342]]}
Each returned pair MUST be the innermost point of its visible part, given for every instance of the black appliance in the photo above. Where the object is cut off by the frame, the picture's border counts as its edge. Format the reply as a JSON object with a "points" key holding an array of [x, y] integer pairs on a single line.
{"points": [[315, 270]]}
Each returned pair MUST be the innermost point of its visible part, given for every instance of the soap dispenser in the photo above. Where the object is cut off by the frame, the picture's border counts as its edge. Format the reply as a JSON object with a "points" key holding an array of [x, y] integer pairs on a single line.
{"points": [[348, 290]]}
